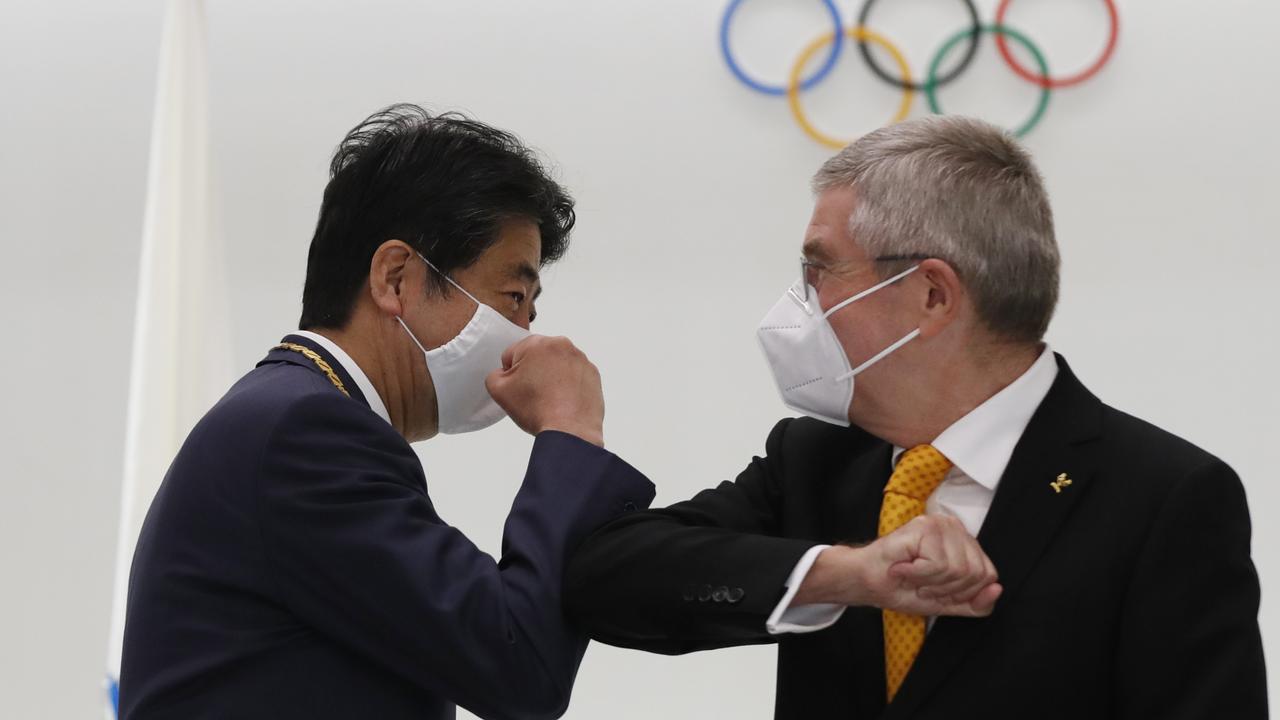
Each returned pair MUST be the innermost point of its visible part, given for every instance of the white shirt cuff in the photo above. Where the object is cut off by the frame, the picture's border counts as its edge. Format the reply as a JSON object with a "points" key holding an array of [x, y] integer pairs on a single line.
{"points": [[802, 618]]}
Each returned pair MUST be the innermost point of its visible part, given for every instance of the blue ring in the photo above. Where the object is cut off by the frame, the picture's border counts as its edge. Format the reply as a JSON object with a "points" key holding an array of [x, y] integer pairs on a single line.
{"points": [[837, 44]]}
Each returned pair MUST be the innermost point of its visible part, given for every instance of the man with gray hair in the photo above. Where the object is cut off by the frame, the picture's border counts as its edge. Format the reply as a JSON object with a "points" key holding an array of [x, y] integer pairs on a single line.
{"points": [[1125, 584]]}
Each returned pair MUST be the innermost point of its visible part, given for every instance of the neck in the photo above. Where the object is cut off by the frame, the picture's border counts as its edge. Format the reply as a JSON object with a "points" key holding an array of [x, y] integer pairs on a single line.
{"points": [[383, 359], [934, 397]]}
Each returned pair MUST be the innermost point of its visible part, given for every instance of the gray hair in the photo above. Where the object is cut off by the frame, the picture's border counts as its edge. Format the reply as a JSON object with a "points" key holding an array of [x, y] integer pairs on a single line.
{"points": [[965, 192]]}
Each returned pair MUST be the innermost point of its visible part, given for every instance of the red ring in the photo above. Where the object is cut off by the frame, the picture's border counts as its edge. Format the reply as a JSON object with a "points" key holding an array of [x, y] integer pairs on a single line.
{"points": [[1049, 82]]}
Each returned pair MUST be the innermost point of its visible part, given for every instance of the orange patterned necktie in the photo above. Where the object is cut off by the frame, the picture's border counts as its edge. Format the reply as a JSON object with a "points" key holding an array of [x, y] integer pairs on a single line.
{"points": [[920, 470]]}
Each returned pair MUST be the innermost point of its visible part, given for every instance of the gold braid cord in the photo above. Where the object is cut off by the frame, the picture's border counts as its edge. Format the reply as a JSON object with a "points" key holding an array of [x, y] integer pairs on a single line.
{"points": [[320, 363]]}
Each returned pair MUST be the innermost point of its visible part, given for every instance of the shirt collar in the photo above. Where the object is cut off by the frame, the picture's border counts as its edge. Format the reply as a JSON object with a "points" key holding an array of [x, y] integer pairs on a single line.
{"points": [[362, 380], [981, 443]]}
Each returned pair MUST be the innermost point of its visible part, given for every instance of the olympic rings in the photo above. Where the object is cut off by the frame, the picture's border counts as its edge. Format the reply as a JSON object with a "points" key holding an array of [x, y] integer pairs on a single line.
{"points": [[809, 82], [931, 86], [862, 35], [1044, 80], [969, 54], [932, 80]]}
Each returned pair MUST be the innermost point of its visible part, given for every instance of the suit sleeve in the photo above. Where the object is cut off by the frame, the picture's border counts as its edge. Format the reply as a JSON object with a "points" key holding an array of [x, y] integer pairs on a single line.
{"points": [[360, 555], [701, 574], [1190, 645]]}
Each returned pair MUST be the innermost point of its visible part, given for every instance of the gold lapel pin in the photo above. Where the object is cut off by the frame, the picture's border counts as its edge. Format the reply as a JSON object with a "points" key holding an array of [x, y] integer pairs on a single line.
{"points": [[1061, 482]]}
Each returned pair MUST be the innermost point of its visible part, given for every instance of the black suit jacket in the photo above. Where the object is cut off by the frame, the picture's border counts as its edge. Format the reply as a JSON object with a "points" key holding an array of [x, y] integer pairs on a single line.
{"points": [[1129, 594], [292, 565]]}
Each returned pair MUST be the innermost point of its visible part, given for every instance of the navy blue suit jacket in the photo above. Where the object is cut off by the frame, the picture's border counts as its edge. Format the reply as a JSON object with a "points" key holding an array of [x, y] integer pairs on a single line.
{"points": [[292, 565]]}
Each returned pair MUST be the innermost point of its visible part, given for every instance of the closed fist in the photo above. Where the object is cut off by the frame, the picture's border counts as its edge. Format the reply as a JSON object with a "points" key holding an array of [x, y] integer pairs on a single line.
{"points": [[930, 566], [547, 383]]}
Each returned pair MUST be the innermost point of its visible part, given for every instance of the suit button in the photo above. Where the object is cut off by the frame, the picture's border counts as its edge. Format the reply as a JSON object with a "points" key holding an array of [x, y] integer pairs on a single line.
{"points": [[688, 593], [736, 595], [704, 594], [628, 506], [721, 594]]}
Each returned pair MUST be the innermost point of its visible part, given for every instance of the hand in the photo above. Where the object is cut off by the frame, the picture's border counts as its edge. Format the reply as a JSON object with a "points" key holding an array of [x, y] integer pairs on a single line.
{"points": [[546, 383], [930, 566]]}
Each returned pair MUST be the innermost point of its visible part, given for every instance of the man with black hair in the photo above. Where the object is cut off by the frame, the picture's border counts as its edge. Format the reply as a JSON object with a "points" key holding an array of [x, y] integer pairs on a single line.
{"points": [[292, 563]]}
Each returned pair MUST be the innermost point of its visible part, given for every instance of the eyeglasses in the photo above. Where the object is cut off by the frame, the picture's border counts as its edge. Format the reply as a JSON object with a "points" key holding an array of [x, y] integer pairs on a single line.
{"points": [[809, 270]]}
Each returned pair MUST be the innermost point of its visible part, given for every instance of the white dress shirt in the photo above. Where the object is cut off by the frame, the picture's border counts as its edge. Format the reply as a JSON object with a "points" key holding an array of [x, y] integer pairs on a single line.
{"points": [[979, 446], [362, 380]]}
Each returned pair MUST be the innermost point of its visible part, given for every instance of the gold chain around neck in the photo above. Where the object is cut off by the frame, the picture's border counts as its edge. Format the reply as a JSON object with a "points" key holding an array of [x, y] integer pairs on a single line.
{"points": [[314, 357]]}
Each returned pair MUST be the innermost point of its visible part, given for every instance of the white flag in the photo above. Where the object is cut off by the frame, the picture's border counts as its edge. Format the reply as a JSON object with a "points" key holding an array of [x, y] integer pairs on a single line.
{"points": [[181, 356]]}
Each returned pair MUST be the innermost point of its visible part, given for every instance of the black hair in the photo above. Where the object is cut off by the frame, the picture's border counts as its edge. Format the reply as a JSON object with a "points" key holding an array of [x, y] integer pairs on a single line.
{"points": [[442, 183]]}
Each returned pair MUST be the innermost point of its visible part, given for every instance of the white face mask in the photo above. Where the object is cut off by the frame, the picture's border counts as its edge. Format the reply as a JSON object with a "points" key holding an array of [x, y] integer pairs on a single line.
{"points": [[808, 362], [459, 367]]}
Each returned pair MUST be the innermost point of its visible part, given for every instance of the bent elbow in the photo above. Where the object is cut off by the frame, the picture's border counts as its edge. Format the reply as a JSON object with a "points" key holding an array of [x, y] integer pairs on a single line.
{"points": [[531, 699]]}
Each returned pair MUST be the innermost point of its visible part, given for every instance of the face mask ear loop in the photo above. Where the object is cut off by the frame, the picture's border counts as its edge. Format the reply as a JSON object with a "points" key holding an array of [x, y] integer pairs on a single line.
{"points": [[870, 290], [449, 279], [880, 356], [412, 337]]}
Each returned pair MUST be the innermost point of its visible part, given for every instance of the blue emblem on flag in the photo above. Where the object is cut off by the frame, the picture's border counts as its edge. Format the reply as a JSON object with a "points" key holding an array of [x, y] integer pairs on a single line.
{"points": [[113, 694]]}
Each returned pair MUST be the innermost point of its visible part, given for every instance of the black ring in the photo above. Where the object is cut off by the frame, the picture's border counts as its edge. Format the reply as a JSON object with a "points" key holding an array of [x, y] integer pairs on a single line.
{"points": [[974, 36]]}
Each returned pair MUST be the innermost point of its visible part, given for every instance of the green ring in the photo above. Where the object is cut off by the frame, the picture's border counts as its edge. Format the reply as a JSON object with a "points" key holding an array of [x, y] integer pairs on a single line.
{"points": [[931, 79]]}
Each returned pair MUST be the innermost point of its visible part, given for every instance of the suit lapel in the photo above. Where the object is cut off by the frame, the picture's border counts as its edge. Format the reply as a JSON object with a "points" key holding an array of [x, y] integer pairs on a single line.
{"points": [[1025, 515], [855, 518], [295, 358], [854, 515]]}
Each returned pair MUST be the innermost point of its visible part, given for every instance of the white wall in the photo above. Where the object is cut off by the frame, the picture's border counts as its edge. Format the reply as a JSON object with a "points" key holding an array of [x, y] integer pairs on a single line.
{"points": [[692, 199]]}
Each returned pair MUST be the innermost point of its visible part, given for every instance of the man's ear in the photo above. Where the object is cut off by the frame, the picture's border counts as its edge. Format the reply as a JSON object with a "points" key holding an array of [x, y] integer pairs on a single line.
{"points": [[390, 281], [940, 304]]}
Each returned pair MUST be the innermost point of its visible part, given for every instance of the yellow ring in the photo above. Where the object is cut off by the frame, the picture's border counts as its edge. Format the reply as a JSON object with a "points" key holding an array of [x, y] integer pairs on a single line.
{"points": [[854, 33]]}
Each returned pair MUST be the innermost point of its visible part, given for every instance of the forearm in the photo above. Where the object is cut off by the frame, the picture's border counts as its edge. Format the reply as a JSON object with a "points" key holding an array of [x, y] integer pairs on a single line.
{"points": [[652, 583], [570, 489]]}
